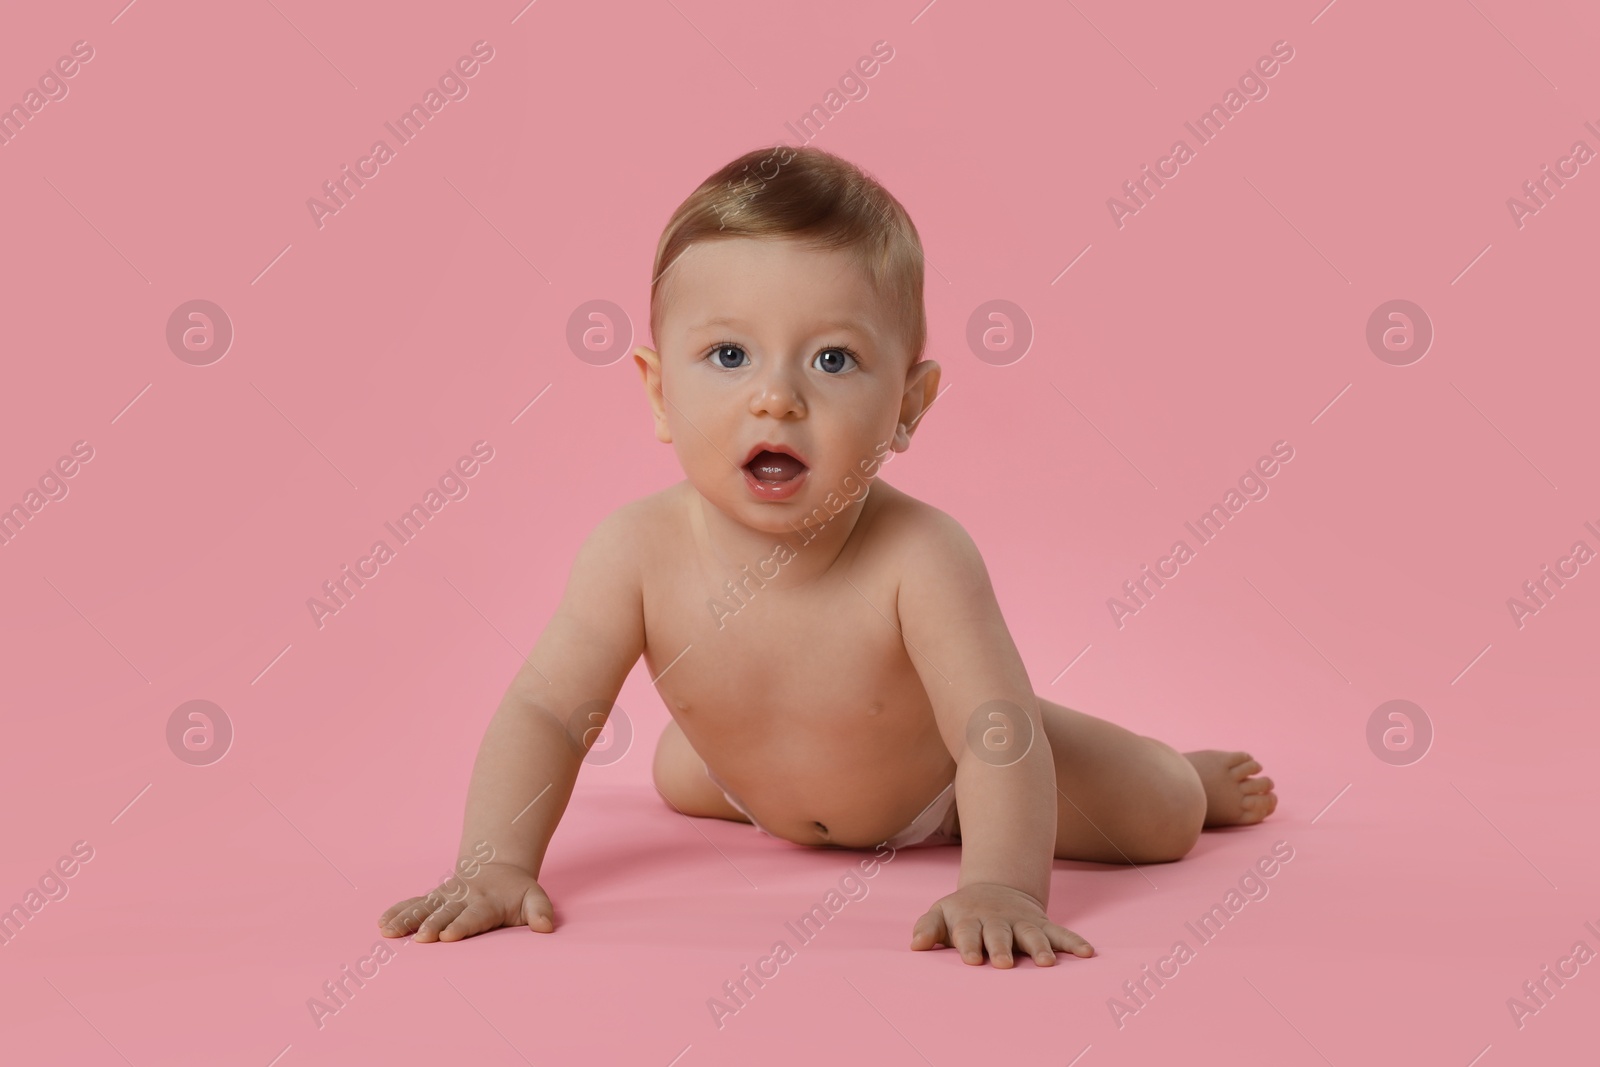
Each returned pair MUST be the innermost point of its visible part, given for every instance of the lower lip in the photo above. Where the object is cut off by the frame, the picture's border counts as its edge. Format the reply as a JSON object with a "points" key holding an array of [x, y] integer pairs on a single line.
{"points": [[774, 490]]}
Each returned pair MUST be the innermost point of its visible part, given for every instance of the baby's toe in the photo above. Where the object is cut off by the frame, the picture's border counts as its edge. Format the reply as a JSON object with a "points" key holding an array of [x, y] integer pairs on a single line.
{"points": [[1255, 785], [1244, 767]]}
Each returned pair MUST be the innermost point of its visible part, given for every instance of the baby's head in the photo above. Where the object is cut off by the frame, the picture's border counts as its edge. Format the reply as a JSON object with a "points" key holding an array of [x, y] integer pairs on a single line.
{"points": [[786, 308]]}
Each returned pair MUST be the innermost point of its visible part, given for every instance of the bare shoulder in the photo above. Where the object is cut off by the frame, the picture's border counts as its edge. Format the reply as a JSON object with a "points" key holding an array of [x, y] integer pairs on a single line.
{"points": [[923, 538], [631, 533]]}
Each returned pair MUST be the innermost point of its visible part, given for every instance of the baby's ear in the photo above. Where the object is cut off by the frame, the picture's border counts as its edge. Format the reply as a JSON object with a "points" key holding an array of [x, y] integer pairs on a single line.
{"points": [[922, 388], [649, 364]]}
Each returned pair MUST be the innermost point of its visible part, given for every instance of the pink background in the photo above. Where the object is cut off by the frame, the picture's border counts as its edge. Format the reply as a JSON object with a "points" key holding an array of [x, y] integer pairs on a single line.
{"points": [[372, 352]]}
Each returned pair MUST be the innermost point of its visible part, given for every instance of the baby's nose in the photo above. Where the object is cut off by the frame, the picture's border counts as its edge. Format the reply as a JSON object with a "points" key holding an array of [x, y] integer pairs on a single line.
{"points": [[776, 394]]}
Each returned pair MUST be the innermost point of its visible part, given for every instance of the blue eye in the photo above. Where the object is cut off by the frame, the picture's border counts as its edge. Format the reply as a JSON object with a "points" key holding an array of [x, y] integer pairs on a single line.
{"points": [[721, 349], [832, 360]]}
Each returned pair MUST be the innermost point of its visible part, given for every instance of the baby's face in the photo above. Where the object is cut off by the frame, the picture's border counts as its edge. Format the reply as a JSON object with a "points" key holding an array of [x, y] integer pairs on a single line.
{"points": [[765, 343]]}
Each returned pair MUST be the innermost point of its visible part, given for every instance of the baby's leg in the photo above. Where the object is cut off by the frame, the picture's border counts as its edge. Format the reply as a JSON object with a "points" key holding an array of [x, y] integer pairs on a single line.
{"points": [[1125, 798], [680, 778]]}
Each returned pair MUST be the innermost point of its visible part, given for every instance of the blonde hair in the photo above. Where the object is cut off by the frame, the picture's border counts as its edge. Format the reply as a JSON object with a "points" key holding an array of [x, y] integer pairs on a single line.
{"points": [[812, 195]]}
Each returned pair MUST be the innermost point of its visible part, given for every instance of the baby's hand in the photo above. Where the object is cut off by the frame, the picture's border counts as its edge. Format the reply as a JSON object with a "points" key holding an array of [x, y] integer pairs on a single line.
{"points": [[985, 914], [498, 895]]}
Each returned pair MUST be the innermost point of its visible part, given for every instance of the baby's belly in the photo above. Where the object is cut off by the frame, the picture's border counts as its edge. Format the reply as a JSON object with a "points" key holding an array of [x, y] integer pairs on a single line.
{"points": [[835, 783]]}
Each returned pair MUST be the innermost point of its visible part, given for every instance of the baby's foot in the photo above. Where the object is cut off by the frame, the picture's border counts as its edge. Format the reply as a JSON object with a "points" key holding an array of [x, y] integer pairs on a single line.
{"points": [[1233, 798]]}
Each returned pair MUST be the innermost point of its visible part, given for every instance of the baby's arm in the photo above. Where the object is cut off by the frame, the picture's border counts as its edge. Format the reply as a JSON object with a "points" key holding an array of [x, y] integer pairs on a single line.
{"points": [[1005, 774], [535, 744]]}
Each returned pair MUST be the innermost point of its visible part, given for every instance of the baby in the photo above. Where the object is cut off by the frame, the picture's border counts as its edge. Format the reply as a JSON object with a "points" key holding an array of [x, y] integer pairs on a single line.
{"points": [[830, 649]]}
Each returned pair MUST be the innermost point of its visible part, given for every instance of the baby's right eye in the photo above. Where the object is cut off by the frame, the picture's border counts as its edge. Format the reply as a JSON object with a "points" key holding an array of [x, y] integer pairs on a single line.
{"points": [[719, 353]]}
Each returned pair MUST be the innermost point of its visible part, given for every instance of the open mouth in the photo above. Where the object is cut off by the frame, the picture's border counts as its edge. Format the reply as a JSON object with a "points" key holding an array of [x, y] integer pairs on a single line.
{"points": [[774, 473]]}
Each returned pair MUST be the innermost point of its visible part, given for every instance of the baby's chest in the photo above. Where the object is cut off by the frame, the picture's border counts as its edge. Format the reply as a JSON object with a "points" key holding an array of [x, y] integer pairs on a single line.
{"points": [[829, 649]]}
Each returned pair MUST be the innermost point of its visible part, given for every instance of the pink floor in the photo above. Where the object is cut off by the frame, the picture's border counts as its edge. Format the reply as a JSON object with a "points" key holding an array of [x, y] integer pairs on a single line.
{"points": [[211, 497]]}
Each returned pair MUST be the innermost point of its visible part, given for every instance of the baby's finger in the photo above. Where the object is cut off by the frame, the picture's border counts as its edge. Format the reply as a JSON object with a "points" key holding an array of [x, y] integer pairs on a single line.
{"points": [[1067, 941], [1031, 940], [967, 938], [442, 916], [997, 938], [930, 930], [401, 919], [475, 918], [537, 911]]}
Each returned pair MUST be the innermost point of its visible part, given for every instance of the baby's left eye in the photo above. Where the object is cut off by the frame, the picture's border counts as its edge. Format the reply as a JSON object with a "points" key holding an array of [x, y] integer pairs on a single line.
{"points": [[833, 360]]}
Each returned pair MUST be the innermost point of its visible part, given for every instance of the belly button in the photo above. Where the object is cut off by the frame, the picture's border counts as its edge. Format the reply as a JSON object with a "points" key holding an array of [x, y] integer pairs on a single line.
{"points": [[823, 829]]}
